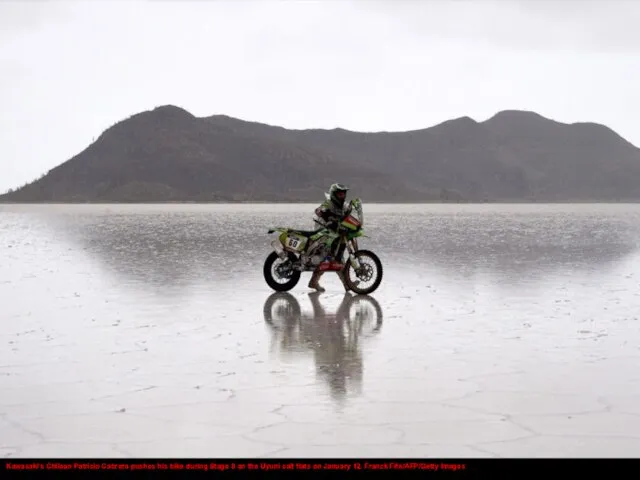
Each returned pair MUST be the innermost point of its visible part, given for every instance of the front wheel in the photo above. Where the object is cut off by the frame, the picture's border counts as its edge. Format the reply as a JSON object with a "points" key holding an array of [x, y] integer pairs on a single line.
{"points": [[367, 278], [280, 274]]}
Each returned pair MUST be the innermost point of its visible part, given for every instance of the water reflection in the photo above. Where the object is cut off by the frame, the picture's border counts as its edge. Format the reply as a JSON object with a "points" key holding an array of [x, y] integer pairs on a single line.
{"points": [[508, 263], [174, 250], [518, 249], [168, 252], [333, 337]]}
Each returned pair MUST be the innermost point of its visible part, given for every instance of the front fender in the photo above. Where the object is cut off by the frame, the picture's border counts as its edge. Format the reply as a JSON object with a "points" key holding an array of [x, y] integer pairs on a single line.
{"points": [[359, 233], [278, 229]]}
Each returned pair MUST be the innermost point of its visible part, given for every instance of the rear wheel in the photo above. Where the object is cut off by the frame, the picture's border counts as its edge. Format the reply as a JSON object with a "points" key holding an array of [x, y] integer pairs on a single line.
{"points": [[282, 310], [280, 274], [367, 278]]}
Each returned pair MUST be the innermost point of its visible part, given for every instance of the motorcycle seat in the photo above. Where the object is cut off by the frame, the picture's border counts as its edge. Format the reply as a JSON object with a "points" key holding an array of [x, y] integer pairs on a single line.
{"points": [[307, 233]]}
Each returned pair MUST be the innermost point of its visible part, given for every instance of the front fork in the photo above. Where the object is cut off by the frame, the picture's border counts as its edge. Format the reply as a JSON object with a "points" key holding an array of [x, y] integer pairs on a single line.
{"points": [[352, 246]]}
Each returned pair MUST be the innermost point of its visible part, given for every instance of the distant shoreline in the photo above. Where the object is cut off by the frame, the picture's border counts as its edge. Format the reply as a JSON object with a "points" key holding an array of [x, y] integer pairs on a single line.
{"points": [[265, 202]]}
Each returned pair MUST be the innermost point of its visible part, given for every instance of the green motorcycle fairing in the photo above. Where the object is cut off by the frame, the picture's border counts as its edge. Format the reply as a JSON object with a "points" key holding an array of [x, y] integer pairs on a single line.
{"points": [[359, 233], [298, 240]]}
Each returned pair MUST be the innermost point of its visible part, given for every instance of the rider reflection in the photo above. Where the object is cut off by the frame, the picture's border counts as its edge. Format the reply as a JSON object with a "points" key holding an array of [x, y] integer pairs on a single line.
{"points": [[332, 337]]}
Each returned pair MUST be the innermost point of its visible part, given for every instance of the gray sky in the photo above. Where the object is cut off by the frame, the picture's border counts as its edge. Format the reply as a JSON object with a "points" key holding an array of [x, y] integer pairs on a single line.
{"points": [[69, 70]]}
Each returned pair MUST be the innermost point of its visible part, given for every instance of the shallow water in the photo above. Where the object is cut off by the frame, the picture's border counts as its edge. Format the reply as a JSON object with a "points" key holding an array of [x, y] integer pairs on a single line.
{"points": [[148, 330]]}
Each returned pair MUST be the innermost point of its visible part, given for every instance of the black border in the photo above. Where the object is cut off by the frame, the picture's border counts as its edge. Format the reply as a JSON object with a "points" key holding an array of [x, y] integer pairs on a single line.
{"points": [[458, 467]]}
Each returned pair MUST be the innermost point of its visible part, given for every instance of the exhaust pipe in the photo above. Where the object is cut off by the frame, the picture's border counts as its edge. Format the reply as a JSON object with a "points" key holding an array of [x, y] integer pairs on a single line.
{"points": [[277, 246]]}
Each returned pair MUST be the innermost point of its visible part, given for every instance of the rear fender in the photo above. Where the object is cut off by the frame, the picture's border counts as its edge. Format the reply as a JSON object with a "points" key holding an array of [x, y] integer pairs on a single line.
{"points": [[283, 234], [278, 229], [289, 240]]}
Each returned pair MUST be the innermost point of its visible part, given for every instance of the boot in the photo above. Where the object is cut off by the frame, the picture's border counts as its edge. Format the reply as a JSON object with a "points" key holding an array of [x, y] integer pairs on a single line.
{"points": [[315, 279]]}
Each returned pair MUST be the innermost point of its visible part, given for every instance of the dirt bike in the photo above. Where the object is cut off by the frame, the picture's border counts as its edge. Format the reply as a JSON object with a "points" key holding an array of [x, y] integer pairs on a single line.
{"points": [[297, 251]]}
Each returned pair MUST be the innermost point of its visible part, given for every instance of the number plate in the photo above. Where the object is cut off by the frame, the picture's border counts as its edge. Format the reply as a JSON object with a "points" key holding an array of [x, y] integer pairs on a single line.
{"points": [[296, 243]]}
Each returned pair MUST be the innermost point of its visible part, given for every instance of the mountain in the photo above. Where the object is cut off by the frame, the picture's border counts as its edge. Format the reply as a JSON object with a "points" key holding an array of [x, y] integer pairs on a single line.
{"points": [[167, 154], [513, 156]]}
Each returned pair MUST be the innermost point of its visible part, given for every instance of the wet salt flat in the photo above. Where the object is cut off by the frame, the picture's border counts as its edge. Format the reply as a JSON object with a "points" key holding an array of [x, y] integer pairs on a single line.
{"points": [[506, 331]]}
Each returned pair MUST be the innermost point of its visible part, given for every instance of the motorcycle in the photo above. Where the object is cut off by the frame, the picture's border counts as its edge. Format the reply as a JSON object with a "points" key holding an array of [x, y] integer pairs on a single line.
{"points": [[297, 251]]}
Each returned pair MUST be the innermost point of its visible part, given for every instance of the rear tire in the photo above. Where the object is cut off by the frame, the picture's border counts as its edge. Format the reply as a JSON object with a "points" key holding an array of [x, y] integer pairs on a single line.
{"points": [[294, 277], [351, 277]]}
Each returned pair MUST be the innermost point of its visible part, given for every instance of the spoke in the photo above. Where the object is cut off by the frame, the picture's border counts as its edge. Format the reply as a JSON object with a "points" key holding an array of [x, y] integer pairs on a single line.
{"points": [[276, 271]]}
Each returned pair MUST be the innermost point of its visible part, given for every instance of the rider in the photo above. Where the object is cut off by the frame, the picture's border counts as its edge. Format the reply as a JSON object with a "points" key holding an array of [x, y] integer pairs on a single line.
{"points": [[329, 214]]}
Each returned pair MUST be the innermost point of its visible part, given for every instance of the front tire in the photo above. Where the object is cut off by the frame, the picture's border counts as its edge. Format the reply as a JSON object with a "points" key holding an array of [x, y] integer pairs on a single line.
{"points": [[292, 278], [352, 278]]}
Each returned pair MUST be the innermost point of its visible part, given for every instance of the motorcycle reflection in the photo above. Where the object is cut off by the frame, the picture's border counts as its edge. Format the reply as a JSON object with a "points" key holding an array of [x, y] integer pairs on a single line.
{"points": [[333, 338]]}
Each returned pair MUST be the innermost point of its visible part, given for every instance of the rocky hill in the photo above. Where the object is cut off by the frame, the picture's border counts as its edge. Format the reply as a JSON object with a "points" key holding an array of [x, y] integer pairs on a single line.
{"points": [[167, 154]]}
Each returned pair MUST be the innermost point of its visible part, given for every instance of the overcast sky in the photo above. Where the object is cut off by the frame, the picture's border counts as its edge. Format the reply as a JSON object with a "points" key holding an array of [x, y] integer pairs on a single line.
{"points": [[70, 70]]}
